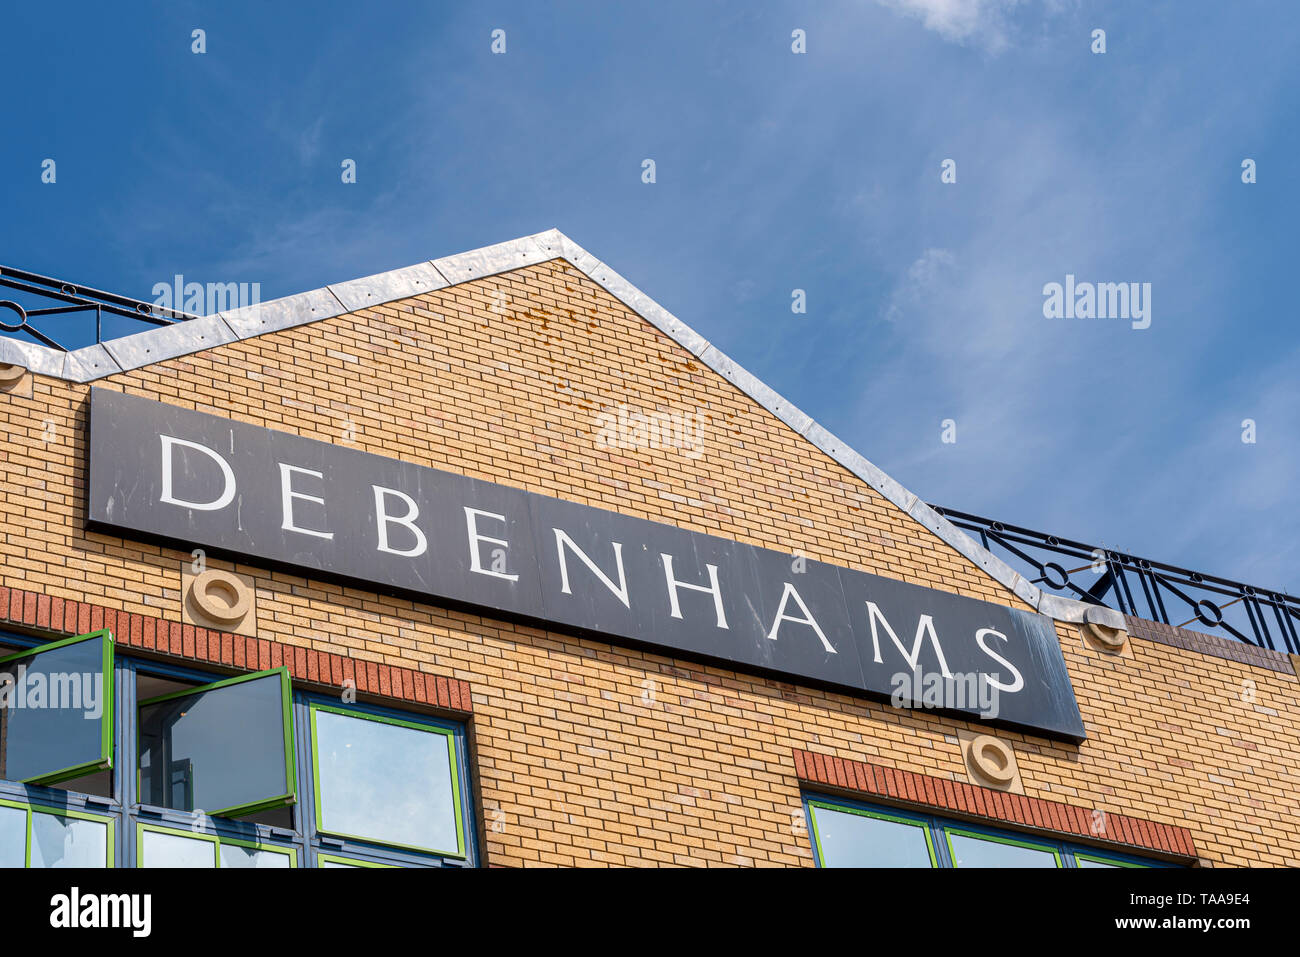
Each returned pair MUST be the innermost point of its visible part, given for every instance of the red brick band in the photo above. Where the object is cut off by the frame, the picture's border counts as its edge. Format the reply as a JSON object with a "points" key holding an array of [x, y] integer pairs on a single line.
{"points": [[971, 801], [180, 641]]}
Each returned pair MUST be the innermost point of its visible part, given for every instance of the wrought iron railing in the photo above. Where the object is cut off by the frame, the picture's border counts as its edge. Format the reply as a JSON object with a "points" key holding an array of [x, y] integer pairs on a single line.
{"points": [[72, 300], [1140, 587]]}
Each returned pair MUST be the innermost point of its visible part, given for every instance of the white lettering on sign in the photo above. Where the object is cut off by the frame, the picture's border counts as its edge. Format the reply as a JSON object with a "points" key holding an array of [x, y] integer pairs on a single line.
{"points": [[1020, 679], [287, 496], [563, 541], [382, 520], [169, 443], [472, 515], [711, 588], [807, 618], [633, 579], [924, 626]]}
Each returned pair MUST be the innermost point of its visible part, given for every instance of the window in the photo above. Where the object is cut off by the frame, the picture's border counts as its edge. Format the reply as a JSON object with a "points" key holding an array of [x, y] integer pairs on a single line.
{"points": [[37, 836], [386, 781], [56, 711], [168, 847], [970, 849], [225, 747], [13, 836], [216, 779], [848, 834], [855, 837], [1096, 860], [333, 860]]}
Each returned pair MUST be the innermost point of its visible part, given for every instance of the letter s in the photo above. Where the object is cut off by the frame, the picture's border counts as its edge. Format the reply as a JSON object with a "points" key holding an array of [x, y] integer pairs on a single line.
{"points": [[1020, 679]]}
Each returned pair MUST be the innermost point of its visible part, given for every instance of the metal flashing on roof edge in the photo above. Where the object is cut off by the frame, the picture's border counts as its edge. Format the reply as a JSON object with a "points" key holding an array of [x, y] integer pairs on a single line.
{"points": [[157, 345]]}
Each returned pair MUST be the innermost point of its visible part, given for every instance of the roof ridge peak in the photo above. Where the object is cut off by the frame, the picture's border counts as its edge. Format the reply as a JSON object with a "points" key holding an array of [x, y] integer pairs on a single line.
{"points": [[197, 335]]}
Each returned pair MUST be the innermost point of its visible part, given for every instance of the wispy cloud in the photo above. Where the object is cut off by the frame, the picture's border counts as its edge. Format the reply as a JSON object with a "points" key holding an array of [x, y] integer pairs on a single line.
{"points": [[920, 283], [983, 23]]}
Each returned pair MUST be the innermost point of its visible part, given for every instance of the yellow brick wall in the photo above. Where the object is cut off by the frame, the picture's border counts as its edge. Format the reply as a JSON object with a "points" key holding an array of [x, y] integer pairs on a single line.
{"points": [[589, 754]]}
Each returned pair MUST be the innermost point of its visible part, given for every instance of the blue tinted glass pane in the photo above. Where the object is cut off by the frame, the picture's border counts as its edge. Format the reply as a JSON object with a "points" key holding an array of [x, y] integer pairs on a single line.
{"points": [[856, 840], [385, 783], [1085, 862], [13, 837], [978, 852], [173, 850], [68, 842], [235, 855], [216, 749], [332, 863], [54, 703]]}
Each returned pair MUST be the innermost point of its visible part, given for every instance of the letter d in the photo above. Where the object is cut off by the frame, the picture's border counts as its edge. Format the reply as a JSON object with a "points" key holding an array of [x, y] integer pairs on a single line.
{"points": [[228, 493]]}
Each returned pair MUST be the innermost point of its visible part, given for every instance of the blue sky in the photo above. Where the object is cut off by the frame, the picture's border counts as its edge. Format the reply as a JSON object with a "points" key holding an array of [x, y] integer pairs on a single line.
{"points": [[775, 171]]}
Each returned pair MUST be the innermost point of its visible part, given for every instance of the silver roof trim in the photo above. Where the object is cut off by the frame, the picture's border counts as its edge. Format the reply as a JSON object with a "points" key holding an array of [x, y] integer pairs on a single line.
{"points": [[168, 342], [32, 356], [90, 363], [156, 345], [280, 314], [388, 286]]}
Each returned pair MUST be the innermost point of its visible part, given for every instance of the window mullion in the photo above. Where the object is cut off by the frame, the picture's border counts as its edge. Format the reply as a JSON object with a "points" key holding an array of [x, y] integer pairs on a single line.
{"points": [[460, 765], [124, 776], [306, 811]]}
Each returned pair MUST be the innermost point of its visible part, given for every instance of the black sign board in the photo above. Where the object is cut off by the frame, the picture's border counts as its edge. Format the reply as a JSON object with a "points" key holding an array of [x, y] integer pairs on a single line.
{"points": [[263, 496]]}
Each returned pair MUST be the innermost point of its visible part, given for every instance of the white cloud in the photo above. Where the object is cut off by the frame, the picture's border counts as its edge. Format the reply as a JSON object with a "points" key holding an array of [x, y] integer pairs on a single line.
{"points": [[922, 277], [309, 141], [979, 22]]}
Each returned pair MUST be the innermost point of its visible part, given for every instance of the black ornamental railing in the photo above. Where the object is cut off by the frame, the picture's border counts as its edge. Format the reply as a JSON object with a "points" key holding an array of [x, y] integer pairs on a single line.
{"points": [[57, 302], [1141, 587]]}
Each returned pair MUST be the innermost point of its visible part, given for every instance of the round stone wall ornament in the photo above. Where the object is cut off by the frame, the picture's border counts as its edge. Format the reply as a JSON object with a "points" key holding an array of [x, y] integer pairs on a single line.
{"points": [[1110, 637], [11, 373], [220, 596], [993, 758]]}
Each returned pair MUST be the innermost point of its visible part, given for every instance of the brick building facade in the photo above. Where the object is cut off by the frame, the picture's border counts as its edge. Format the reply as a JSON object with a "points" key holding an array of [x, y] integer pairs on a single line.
{"points": [[498, 365]]}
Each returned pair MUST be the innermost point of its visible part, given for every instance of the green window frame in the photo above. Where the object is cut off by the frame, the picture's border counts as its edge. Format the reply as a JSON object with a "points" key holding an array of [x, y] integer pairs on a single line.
{"points": [[319, 797], [289, 796], [950, 832], [68, 814], [340, 861], [104, 759], [879, 815], [218, 841], [940, 831], [1098, 859], [262, 847]]}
